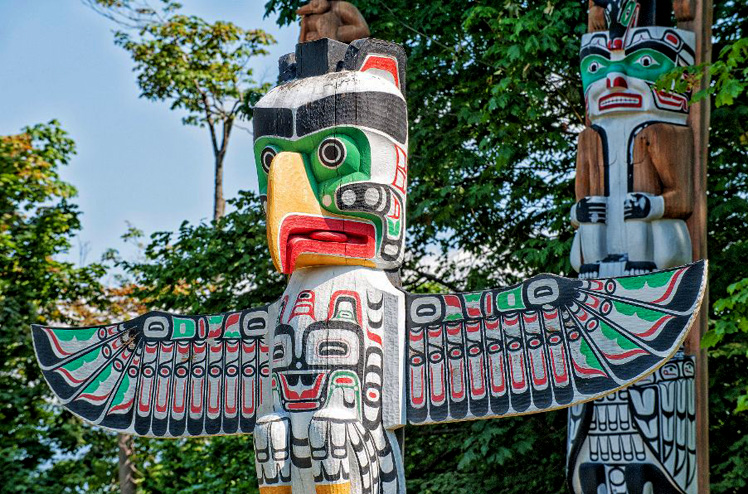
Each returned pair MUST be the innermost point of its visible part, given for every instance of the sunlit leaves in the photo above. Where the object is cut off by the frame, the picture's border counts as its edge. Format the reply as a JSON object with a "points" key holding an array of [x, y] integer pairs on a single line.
{"points": [[39, 445]]}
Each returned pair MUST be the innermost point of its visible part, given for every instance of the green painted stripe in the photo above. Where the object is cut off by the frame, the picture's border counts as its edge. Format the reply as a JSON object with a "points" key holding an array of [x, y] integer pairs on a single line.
{"points": [[641, 312]]}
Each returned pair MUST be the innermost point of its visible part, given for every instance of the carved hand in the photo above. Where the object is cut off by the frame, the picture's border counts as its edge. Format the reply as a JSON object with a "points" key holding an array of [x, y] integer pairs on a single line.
{"points": [[642, 206], [591, 209]]}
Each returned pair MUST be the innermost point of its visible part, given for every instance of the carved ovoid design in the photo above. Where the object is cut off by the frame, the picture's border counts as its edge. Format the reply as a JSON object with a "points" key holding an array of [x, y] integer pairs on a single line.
{"points": [[634, 191], [325, 375]]}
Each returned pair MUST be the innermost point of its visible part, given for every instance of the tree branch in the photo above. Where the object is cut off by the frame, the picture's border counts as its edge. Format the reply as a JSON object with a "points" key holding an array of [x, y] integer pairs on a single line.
{"points": [[436, 279]]}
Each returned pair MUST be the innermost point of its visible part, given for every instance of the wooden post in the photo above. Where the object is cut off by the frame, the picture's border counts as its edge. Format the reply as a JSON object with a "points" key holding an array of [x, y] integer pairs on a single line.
{"points": [[699, 116]]}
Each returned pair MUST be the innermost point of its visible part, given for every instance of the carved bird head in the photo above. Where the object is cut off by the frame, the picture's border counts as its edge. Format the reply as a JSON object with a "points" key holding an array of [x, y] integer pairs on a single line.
{"points": [[331, 153]]}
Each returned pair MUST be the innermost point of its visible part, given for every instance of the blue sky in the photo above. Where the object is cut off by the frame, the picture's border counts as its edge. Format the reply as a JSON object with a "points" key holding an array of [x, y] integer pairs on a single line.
{"points": [[136, 162]]}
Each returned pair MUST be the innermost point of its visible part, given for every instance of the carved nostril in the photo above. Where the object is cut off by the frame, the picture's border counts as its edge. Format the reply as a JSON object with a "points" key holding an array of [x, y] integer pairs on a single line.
{"points": [[620, 82], [617, 82]]}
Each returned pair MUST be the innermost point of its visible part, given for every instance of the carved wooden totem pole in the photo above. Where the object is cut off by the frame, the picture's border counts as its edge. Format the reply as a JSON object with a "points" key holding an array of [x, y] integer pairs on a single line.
{"points": [[634, 190], [325, 375]]}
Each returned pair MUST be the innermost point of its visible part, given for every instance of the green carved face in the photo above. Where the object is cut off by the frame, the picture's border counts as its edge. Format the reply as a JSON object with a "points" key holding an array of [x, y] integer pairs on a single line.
{"points": [[331, 162], [619, 74], [645, 64]]}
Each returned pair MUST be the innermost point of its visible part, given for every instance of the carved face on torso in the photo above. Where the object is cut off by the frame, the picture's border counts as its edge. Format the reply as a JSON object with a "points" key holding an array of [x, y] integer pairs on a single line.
{"points": [[315, 361]]}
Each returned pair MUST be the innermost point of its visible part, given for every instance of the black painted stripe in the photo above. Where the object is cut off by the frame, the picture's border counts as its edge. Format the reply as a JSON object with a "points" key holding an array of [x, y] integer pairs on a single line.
{"points": [[380, 111], [272, 122]]}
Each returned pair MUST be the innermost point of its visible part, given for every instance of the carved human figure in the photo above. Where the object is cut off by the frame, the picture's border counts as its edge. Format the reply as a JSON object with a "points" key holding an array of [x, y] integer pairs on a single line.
{"points": [[324, 376], [634, 190], [634, 186], [334, 19]]}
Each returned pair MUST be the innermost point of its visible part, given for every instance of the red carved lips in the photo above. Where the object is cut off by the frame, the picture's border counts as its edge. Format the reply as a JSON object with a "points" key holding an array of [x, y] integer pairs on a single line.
{"points": [[302, 391], [300, 234], [619, 100], [676, 102]]}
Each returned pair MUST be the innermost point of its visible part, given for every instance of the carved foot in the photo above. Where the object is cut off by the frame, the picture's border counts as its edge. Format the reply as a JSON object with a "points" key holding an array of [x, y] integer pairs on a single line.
{"points": [[272, 436], [336, 443]]}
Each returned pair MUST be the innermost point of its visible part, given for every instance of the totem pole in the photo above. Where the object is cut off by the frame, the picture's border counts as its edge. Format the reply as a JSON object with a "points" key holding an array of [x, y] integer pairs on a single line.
{"points": [[634, 191], [326, 374]]}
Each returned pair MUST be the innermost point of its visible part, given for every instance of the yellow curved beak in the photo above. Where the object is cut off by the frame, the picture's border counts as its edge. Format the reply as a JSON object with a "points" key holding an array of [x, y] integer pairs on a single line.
{"points": [[293, 211]]}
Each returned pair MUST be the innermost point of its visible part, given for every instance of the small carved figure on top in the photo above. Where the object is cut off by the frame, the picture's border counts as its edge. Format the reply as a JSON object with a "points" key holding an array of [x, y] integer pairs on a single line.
{"points": [[332, 19], [637, 12]]}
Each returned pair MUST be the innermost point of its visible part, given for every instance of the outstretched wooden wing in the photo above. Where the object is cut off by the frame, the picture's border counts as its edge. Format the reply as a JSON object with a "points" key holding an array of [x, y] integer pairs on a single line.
{"points": [[547, 343], [161, 374]]}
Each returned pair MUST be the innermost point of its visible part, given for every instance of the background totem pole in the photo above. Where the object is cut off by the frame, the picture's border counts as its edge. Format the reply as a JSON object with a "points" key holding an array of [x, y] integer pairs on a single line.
{"points": [[324, 376], [635, 190]]}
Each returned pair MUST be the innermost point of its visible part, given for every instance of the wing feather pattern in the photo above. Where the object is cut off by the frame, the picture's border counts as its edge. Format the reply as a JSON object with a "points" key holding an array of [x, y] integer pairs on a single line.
{"points": [[547, 343], [161, 374]]}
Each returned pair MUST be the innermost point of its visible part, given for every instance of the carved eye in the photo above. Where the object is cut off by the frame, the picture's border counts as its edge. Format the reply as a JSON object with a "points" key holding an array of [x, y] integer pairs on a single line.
{"points": [[593, 67], [279, 352], [332, 348], [266, 158], [331, 152], [647, 61]]}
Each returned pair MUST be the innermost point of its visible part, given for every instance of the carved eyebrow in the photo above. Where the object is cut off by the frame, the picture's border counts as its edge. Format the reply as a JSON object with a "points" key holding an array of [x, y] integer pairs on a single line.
{"points": [[594, 50], [385, 112], [272, 122], [654, 45]]}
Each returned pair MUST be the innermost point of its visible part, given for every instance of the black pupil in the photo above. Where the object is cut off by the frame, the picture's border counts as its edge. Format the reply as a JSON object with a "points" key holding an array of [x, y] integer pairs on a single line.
{"points": [[331, 152]]}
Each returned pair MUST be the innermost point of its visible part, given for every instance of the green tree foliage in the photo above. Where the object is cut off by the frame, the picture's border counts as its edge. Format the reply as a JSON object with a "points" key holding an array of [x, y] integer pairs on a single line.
{"points": [[198, 67], [208, 268], [728, 218], [40, 447]]}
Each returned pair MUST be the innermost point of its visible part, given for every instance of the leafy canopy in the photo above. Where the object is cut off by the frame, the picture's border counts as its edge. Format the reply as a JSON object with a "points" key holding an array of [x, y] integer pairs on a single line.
{"points": [[200, 67], [41, 446]]}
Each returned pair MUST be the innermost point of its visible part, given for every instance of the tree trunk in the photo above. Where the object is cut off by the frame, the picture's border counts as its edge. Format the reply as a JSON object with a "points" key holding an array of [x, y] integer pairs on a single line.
{"points": [[219, 204], [126, 466]]}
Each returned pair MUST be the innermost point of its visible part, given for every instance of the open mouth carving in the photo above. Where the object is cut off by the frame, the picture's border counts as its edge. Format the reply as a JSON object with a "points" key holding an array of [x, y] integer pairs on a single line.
{"points": [[301, 234], [619, 100], [302, 391]]}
